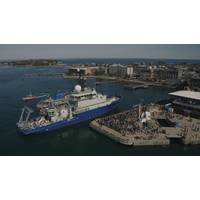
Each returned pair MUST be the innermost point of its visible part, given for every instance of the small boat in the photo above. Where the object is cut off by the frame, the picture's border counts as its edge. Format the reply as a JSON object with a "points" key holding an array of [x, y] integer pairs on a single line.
{"points": [[33, 97]]}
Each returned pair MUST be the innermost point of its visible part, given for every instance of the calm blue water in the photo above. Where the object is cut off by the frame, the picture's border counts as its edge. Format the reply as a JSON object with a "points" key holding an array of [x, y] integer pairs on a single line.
{"points": [[75, 140]]}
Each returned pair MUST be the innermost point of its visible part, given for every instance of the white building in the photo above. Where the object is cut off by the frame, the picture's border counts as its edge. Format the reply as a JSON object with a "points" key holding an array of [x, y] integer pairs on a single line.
{"points": [[130, 71], [120, 70]]}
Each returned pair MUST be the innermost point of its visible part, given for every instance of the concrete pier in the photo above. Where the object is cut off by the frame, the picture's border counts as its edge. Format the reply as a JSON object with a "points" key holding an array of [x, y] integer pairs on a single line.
{"points": [[116, 136], [125, 128], [128, 140]]}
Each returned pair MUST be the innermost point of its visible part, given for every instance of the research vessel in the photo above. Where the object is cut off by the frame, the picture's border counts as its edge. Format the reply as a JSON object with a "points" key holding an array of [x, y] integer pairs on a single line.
{"points": [[82, 104]]}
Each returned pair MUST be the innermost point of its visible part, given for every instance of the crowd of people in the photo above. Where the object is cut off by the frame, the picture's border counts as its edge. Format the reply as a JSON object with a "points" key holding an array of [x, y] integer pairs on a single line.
{"points": [[127, 123], [122, 122]]}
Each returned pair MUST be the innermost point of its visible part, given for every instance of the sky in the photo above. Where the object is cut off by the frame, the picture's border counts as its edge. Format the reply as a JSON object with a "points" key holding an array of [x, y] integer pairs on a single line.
{"points": [[62, 51]]}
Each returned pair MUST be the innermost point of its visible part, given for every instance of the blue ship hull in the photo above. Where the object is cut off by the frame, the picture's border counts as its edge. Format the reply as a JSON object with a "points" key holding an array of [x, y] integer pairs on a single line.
{"points": [[82, 117]]}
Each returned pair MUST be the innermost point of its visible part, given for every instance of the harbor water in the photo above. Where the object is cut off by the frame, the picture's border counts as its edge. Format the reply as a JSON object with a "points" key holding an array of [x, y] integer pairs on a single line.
{"points": [[75, 140]]}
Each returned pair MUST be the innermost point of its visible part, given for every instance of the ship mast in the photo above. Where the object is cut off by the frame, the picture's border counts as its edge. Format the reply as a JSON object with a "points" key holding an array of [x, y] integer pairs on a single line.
{"points": [[81, 79]]}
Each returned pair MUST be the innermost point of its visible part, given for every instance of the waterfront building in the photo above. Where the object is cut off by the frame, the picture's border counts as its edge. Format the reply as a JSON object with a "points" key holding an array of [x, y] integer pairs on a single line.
{"points": [[165, 74], [194, 83], [102, 70], [115, 70], [180, 73], [120, 70], [130, 71], [186, 102]]}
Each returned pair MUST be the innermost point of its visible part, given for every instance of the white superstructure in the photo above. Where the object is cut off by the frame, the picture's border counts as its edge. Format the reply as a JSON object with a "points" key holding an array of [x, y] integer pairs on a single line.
{"points": [[78, 101], [88, 99]]}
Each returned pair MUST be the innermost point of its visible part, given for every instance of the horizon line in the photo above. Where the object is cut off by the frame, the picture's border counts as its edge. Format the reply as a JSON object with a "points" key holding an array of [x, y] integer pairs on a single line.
{"points": [[79, 58]]}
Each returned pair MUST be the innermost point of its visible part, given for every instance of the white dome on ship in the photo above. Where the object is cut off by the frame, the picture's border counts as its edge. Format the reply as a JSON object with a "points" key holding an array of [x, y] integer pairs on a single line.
{"points": [[77, 88]]}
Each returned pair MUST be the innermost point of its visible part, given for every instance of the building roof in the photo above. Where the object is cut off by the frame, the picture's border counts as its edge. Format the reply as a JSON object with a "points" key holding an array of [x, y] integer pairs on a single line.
{"points": [[186, 94]]}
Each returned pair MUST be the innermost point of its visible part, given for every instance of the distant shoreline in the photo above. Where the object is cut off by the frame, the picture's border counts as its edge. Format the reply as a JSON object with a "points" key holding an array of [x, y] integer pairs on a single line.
{"points": [[63, 62], [32, 63]]}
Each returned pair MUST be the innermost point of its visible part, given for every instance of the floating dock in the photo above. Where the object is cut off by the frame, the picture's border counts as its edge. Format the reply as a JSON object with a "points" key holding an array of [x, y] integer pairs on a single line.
{"points": [[128, 128], [135, 87]]}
